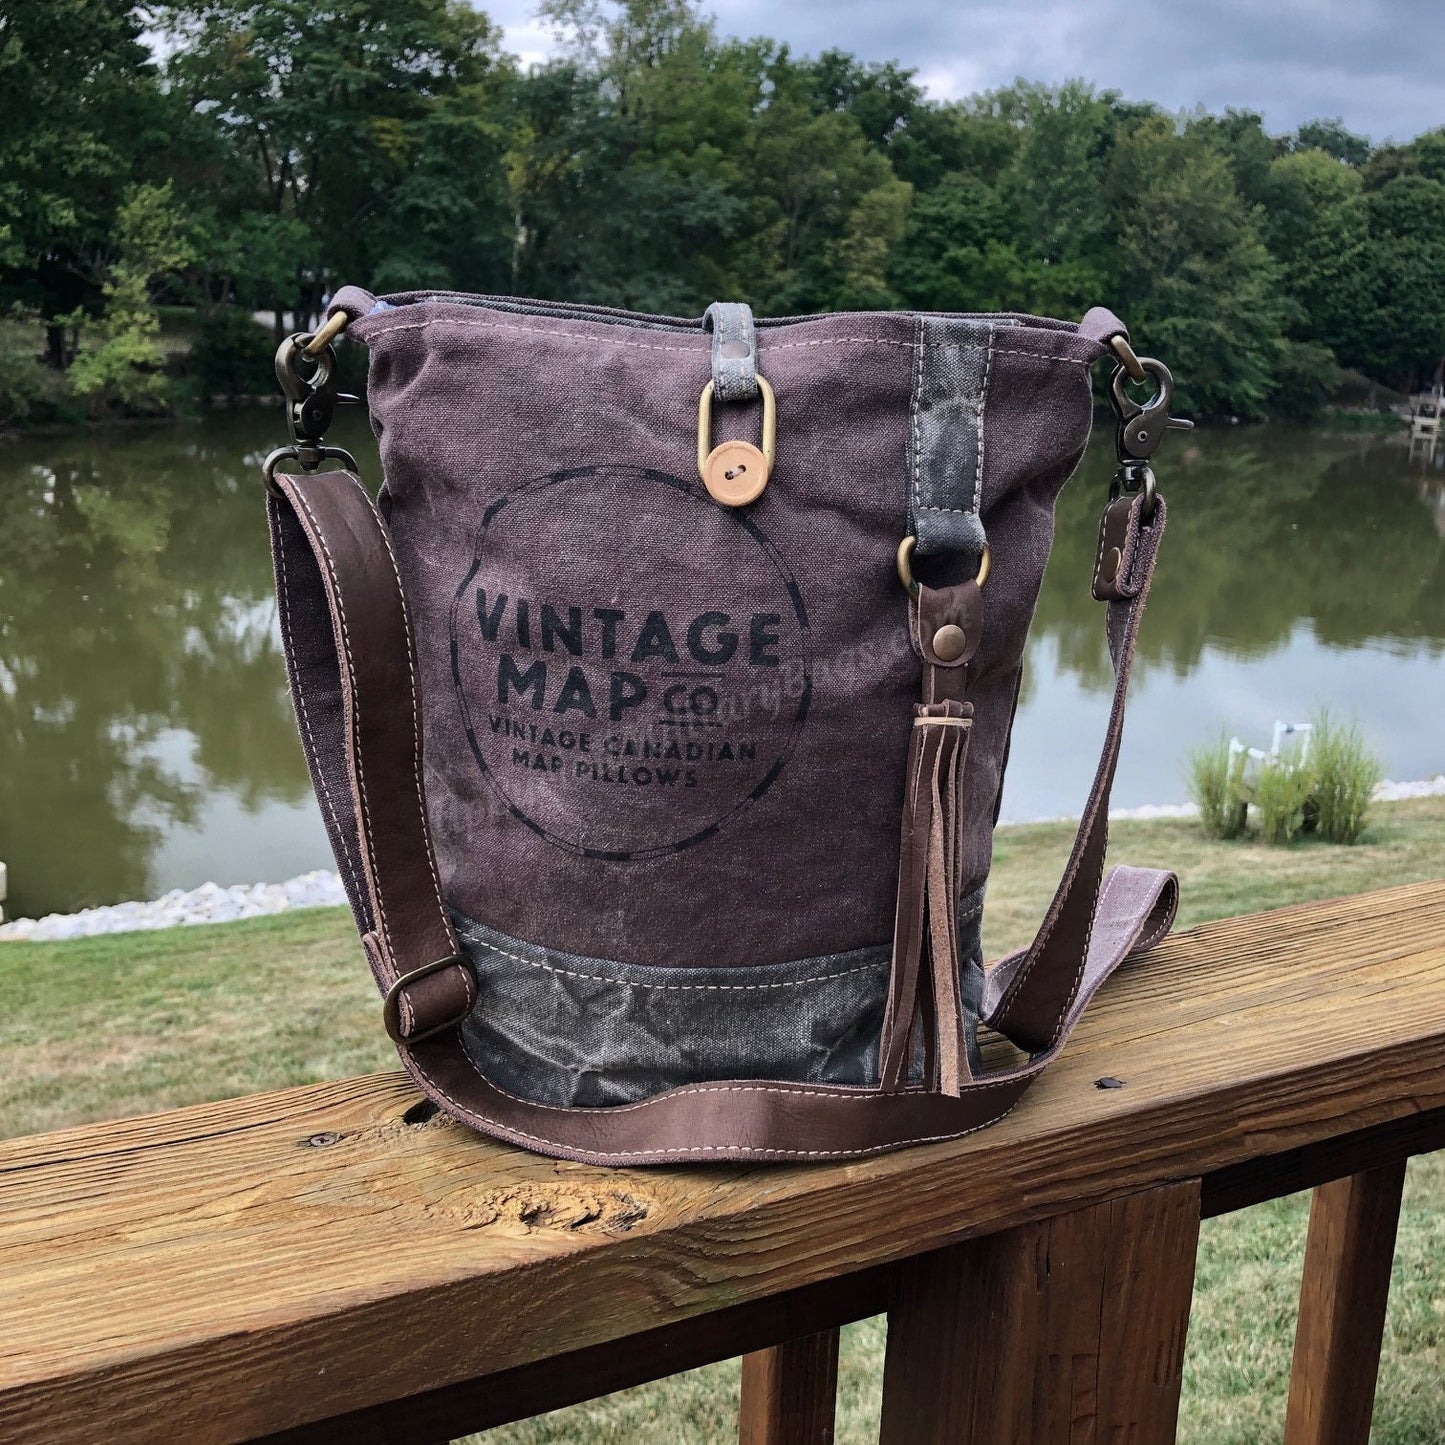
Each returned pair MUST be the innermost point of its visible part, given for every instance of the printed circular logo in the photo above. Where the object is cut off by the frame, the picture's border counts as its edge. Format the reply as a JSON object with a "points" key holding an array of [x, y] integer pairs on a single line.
{"points": [[630, 659]]}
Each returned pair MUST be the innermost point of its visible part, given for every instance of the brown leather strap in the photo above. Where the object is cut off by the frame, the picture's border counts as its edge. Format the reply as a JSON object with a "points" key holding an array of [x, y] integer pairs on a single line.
{"points": [[1035, 995], [370, 663], [352, 665]]}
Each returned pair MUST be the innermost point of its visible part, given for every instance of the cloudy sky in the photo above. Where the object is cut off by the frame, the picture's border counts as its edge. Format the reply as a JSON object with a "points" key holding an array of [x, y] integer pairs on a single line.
{"points": [[1378, 63]]}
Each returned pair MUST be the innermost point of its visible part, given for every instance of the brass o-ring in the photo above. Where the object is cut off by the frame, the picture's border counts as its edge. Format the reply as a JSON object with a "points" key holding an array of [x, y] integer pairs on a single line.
{"points": [[905, 565]]}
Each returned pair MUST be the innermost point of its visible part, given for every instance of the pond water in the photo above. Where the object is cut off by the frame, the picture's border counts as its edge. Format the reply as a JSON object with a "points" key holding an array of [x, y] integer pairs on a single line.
{"points": [[148, 743]]}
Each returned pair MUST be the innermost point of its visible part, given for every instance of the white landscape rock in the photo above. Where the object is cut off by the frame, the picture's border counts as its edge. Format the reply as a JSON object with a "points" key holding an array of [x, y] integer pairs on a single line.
{"points": [[210, 903], [1389, 792]]}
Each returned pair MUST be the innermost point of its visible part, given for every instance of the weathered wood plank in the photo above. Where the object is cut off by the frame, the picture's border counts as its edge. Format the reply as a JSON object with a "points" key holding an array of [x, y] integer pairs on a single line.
{"points": [[1150, 1245], [1272, 1176], [1343, 1294], [1065, 1331], [600, 1369], [790, 1392], [254, 1263]]}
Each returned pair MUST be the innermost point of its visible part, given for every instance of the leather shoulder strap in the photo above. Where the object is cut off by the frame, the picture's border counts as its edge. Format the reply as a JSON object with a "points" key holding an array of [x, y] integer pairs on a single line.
{"points": [[352, 666]]}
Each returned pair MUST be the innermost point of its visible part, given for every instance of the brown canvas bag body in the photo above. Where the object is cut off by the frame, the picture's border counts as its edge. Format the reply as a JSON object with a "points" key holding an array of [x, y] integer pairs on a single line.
{"points": [[658, 710]]}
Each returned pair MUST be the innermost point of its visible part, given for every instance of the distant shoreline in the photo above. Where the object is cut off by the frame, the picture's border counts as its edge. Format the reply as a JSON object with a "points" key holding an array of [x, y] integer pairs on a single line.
{"points": [[321, 888]]}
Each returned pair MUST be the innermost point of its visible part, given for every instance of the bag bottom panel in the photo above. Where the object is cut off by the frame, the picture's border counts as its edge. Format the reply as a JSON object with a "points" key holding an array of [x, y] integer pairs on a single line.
{"points": [[556, 1028]]}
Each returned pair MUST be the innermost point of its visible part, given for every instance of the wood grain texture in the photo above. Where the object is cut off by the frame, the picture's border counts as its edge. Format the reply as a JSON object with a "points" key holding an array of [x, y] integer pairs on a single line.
{"points": [[566, 1379], [1343, 1294], [1150, 1243], [790, 1392], [1067, 1331], [268, 1262]]}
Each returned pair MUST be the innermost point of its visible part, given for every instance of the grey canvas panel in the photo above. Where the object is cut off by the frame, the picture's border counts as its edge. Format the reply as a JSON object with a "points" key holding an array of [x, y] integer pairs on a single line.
{"points": [[734, 350], [559, 1029], [945, 435]]}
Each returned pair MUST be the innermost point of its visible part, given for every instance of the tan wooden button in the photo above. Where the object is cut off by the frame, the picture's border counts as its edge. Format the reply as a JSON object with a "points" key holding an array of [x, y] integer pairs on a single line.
{"points": [[949, 642], [735, 473]]}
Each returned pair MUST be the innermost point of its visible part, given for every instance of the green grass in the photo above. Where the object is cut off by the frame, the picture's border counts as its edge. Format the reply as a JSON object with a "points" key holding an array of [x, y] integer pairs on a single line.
{"points": [[104, 1027]]}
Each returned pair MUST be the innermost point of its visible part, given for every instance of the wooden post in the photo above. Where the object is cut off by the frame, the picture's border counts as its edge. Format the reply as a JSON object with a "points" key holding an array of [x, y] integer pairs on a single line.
{"points": [[1068, 1330], [790, 1392], [1342, 1308]]}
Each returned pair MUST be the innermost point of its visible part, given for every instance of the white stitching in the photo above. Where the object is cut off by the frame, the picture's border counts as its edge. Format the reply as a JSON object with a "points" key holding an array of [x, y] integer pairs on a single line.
{"points": [[1126, 562], [509, 1132], [1014, 989], [1039, 355], [982, 399], [1088, 939], [299, 692], [913, 407], [474, 936], [1099, 563], [972, 511], [699, 351], [355, 707]]}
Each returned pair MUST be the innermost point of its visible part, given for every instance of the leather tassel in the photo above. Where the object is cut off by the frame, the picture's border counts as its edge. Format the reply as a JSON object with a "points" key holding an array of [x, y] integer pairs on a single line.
{"points": [[944, 856], [927, 914]]}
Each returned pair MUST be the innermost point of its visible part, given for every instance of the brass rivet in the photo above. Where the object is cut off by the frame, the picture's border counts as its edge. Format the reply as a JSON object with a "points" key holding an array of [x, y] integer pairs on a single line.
{"points": [[949, 642], [1109, 564]]}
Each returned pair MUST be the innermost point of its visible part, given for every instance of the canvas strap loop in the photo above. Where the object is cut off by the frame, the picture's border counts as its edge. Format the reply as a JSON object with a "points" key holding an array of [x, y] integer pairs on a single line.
{"points": [[952, 367], [734, 350]]}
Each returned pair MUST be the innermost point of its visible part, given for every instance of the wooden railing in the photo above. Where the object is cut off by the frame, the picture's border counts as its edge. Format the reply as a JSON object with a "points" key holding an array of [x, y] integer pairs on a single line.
{"points": [[335, 1264]]}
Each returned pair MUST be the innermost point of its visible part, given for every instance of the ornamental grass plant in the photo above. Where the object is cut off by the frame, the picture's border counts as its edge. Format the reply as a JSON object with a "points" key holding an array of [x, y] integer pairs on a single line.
{"points": [[1346, 776], [1326, 789]]}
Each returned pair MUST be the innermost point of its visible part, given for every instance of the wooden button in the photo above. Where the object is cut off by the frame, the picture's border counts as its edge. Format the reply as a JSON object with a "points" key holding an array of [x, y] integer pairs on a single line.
{"points": [[949, 642], [1109, 564], [735, 473]]}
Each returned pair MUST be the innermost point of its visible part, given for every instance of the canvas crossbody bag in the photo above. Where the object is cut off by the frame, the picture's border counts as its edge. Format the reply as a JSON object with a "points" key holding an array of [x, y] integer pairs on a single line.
{"points": [[612, 699]]}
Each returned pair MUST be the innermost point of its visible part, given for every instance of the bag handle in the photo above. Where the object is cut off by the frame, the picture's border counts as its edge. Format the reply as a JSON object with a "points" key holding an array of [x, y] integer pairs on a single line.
{"points": [[351, 663]]}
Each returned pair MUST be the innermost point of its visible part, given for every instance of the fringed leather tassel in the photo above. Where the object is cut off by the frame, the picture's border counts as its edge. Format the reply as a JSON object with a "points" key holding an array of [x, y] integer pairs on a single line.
{"points": [[924, 1006]]}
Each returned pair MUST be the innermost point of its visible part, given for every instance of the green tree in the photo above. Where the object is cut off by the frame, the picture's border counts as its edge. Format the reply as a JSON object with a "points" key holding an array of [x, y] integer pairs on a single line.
{"points": [[1317, 224], [81, 118], [1193, 275], [372, 125], [1239, 136], [1331, 137], [658, 167], [127, 369], [829, 206], [1407, 225], [628, 165]]}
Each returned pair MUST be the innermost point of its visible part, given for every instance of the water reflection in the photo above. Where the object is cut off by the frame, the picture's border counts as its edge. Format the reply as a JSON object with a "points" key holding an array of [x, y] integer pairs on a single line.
{"points": [[140, 674], [1266, 529], [1299, 570], [149, 743]]}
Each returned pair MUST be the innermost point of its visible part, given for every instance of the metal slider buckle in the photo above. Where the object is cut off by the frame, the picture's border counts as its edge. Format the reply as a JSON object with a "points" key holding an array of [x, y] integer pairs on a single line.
{"points": [[391, 1005]]}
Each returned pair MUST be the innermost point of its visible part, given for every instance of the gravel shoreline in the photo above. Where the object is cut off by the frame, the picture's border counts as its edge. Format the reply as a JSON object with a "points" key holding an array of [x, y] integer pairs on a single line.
{"points": [[211, 903]]}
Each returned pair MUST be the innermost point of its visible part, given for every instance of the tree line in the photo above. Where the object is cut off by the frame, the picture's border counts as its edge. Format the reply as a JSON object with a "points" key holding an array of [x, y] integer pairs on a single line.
{"points": [[176, 167]]}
